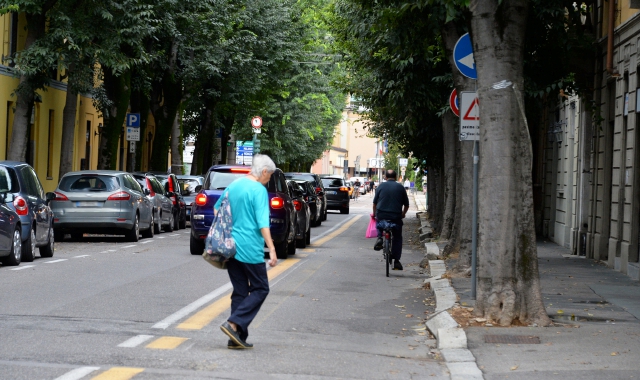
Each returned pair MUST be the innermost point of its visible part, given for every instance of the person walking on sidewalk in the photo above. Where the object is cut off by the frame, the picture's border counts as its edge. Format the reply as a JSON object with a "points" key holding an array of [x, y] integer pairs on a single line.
{"points": [[249, 203], [391, 203]]}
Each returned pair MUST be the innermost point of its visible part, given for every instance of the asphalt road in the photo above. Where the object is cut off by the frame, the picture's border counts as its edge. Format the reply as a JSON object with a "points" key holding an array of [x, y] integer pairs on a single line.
{"points": [[107, 309]]}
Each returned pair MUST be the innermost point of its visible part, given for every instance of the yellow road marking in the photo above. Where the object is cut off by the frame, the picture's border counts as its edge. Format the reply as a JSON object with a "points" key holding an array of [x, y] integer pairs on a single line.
{"points": [[301, 255], [308, 250], [118, 373], [209, 313], [336, 232], [167, 342]]}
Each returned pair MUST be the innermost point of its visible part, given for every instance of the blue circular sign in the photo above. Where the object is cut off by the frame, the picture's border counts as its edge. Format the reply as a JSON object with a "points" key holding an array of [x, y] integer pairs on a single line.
{"points": [[463, 57]]}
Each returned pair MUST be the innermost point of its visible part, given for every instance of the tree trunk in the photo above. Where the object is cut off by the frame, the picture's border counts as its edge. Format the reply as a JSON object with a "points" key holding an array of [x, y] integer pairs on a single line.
{"points": [[176, 142], [165, 115], [119, 92], [508, 280], [462, 243], [435, 198], [197, 165], [68, 129], [453, 245], [449, 140]]}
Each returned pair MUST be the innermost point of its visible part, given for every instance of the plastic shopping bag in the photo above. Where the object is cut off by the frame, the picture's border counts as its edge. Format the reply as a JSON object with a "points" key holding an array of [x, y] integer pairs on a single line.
{"points": [[372, 231], [219, 244]]}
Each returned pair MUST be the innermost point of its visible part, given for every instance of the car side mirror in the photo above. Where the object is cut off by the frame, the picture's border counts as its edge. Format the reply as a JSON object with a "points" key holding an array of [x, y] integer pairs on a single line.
{"points": [[147, 192], [198, 188], [50, 196]]}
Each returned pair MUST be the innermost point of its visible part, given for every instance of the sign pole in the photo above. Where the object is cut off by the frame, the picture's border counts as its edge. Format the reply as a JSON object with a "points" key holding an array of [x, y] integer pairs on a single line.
{"points": [[474, 220]]}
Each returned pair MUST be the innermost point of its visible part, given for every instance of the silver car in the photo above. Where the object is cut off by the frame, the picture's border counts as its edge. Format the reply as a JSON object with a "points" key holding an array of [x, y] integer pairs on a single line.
{"points": [[103, 202], [162, 205]]}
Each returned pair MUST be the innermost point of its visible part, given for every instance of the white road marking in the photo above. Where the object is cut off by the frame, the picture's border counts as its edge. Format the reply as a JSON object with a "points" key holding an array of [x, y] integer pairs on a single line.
{"points": [[23, 267], [77, 257], [55, 261], [77, 373], [174, 235], [112, 250], [160, 237], [135, 341], [129, 246], [163, 324], [146, 241]]}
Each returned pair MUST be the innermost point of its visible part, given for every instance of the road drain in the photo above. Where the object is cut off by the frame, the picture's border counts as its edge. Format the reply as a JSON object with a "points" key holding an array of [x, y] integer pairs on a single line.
{"points": [[512, 339], [593, 302], [579, 318]]}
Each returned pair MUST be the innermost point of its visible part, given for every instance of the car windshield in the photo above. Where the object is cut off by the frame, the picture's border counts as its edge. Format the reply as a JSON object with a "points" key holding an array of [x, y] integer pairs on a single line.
{"points": [[89, 182], [188, 185], [220, 180], [332, 182], [5, 180]]}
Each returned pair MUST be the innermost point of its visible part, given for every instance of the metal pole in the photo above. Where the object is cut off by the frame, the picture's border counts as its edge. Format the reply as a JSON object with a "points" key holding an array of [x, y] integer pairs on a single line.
{"points": [[474, 228]]}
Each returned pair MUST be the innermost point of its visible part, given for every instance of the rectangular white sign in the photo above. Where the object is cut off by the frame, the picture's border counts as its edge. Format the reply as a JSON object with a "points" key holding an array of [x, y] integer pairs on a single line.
{"points": [[403, 161], [469, 116], [133, 133]]}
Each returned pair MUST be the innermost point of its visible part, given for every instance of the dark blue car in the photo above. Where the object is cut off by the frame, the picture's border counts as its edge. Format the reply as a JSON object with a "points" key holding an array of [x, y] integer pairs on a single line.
{"points": [[10, 229], [28, 200], [282, 210]]}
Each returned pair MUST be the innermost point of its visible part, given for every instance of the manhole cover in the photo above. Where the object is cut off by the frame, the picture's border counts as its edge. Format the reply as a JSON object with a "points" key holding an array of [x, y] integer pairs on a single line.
{"points": [[512, 339]]}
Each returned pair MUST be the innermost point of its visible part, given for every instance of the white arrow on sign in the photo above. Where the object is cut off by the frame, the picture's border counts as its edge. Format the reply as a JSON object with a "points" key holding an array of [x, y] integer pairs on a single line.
{"points": [[468, 61]]}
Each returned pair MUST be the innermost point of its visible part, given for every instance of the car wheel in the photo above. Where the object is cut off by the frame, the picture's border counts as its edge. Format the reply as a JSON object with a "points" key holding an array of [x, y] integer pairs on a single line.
{"points": [[309, 236], [47, 250], [176, 221], [291, 248], [29, 247], [302, 243], [157, 227], [281, 249], [133, 235], [324, 216], [344, 210], [15, 255], [169, 227], [183, 221], [196, 246], [148, 233], [58, 236]]}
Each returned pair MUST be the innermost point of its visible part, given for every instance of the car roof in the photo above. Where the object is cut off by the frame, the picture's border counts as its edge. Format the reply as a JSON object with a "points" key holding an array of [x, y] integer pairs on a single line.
{"points": [[104, 172], [13, 164]]}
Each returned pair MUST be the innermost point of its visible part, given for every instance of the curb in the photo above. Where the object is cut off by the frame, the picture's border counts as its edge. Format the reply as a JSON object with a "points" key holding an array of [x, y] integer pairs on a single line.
{"points": [[450, 337]]}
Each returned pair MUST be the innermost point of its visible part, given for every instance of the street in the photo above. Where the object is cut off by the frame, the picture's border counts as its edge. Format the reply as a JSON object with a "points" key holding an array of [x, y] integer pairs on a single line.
{"points": [[106, 309]]}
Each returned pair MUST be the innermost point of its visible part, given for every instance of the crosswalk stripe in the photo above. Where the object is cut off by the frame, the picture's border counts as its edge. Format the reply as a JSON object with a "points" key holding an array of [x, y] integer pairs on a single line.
{"points": [[118, 373], [77, 373], [55, 261], [135, 341], [209, 313], [129, 246], [167, 342]]}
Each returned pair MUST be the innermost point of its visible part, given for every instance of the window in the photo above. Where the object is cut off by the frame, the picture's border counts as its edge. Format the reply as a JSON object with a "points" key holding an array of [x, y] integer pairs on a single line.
{"points": [[89, 182], [131, 184], [157, 187], [50, 149], [5, 180]]}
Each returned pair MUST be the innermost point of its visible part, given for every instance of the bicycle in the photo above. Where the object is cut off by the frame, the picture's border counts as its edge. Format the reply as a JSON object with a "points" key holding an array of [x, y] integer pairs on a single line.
{"points": [[387, 242]]}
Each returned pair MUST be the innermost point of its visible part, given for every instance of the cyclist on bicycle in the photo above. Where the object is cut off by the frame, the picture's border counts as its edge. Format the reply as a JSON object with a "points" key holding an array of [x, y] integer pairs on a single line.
{"points": [[356, 189], [391, 203]]}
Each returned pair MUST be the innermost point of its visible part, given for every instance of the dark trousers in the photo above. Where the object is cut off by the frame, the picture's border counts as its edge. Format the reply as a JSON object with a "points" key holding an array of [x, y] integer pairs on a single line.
{"points": [[250, 289], [396, 240]]}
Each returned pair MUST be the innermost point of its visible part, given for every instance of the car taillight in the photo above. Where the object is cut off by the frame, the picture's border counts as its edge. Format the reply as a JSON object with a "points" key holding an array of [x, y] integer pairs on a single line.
{"points": [[173, 199], [297, 204], [151, 192], [318, 189], [201, 199], [277, 203], [60, 197], [240, 170], [171, 186], [119, 196], [306, 198], [344, 188], [21, 206]]}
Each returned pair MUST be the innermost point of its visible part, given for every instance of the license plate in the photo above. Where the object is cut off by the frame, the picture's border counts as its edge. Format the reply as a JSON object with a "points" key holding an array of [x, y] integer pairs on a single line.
{"points": [[332, 192], [88, 204], [188, 211]]}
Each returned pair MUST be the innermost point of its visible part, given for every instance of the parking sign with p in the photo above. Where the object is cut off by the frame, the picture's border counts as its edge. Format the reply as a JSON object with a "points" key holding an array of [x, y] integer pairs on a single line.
{"points": [[133, 120]]}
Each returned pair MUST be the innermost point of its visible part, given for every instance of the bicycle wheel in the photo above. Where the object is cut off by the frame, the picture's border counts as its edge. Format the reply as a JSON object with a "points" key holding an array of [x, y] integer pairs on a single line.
{"points": [[387, 253]]}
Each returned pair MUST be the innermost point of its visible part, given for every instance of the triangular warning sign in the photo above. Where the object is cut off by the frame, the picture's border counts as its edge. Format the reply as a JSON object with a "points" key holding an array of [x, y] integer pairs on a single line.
{"points": [[473, 112]]}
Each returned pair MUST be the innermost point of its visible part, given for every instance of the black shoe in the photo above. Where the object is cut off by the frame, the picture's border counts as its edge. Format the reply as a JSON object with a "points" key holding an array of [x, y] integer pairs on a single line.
{"points": [[233, 335], [378, 245], [233, 346], [397, 265]]}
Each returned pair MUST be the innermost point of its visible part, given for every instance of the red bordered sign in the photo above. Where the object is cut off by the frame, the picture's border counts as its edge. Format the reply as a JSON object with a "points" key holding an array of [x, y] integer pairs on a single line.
{"points": [[453, 102], [256, 122]]}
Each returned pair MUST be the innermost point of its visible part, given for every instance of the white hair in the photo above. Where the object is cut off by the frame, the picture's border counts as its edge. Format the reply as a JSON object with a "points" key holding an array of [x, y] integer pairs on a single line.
{"points": [[260, 163]]}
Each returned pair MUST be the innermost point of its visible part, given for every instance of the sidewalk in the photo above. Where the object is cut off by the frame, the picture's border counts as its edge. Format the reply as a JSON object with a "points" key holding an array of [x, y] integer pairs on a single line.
{"points": [[596, 331]]}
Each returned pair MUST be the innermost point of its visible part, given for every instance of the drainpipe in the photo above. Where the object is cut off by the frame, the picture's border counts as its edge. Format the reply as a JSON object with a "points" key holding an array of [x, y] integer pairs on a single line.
{"points": [[612, 17]]}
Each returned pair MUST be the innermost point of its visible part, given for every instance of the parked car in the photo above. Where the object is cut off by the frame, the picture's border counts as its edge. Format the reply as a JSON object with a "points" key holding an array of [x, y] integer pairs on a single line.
{"points": [[188, 184], [282, 212], [303, 215], [32, 206], [10, 227], [318, 184], [162, 215], [351, 188], [337, 194], [312, 199], [171, 185], [101, 201]]}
